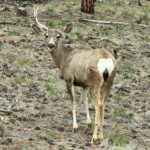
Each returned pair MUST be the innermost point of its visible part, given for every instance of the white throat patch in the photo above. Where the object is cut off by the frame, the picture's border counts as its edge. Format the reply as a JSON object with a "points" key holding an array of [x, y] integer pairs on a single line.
{"points": [[105, 63]]}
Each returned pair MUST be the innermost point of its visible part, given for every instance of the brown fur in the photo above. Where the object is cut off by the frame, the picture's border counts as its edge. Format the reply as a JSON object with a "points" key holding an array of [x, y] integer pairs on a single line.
{"points": [[79, 67]]}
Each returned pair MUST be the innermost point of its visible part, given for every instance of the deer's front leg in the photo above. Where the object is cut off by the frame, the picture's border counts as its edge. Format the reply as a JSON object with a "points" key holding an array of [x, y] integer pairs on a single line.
{"points": [[71, 91], [85, 96]]}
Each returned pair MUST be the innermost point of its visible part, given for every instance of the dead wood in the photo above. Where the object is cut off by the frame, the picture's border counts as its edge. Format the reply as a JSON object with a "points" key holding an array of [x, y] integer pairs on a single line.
{"points": [[10, 22], [21, 11], [8, 112], [110, 22], [4, 8]]}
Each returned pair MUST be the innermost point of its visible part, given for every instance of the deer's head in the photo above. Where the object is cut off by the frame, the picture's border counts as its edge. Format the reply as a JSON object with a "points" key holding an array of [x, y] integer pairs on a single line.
{"points": [[53, 36]]}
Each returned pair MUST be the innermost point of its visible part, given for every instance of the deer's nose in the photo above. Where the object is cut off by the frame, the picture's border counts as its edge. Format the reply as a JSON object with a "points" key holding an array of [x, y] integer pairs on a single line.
{"points": [[51, 45]]}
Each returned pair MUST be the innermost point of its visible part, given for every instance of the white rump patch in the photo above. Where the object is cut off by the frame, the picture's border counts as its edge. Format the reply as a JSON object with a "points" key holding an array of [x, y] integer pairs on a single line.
{"points": [[51, 41], [105, 63]]}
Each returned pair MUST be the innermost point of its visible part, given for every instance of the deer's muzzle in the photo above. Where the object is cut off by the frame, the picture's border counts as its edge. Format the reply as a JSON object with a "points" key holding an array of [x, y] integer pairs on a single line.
{"points": [[51, 45]]}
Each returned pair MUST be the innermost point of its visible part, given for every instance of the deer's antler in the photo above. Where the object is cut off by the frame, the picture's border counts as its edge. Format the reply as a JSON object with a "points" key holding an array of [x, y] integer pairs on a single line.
{"points": [[38, 26]]}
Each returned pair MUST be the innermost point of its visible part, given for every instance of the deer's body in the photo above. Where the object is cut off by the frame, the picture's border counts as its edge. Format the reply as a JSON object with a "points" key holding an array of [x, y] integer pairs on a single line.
{"points": [[78, 65], [81, 67], [92, 69]]}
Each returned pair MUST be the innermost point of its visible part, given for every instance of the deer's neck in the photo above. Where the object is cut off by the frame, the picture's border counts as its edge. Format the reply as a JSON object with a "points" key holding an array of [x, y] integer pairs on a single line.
{"points": [[60, 54]]}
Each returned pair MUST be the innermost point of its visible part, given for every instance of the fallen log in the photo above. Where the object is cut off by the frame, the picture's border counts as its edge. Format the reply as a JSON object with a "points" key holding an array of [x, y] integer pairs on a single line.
{"points": [[8, 112], [10, 22], [110, 22]]}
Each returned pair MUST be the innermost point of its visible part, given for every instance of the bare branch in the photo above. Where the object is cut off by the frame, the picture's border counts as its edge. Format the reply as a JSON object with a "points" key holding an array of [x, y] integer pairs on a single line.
{"points": [[10, 22], [21, 11], [8, 112], [110, 22], [139, 3]]}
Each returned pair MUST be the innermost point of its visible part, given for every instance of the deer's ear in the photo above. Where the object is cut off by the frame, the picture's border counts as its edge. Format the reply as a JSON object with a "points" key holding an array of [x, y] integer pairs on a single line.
{"points": [[68, 27]]}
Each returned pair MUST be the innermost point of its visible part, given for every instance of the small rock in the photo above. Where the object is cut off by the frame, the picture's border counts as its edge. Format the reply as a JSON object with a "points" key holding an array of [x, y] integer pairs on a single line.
{"points": [[37, 128], [15, 109], [31, 139], [61, 129], [70, 140], [81, 147], [61, 147], [7, 141], [74, 145], [87, 144], [147, 115]]}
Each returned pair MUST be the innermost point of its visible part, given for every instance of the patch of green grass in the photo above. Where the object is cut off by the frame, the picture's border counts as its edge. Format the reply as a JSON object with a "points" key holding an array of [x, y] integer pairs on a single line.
{"points": [[50, 135], [2, 77], [23, 79], [70, 17], [50, 23], [53, 23], [117, 139], [126, 65], [118, 99], [14, 31], [51, 11], [146, 16], [31, 49], [78, 37], [114, 35], [25, 61], [67, 116], [122, 114], [123, 80], [24, 147], [53, 86], [7, 46], [27, 21], [2, 130], [118, 112]]}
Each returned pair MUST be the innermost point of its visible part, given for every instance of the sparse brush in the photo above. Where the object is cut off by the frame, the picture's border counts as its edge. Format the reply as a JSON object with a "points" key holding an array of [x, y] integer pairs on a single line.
{"points": [[117, 139], [2, 130], [14, 31], [49, 135], [53, 86]]}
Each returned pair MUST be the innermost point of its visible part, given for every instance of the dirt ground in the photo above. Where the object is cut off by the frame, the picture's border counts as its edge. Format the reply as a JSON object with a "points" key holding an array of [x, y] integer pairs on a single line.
{"points": [[39, 109]]}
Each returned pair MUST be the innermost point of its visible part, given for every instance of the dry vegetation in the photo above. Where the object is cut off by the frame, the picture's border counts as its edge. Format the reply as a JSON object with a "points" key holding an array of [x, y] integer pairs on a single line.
{"points": [[31, 90]]}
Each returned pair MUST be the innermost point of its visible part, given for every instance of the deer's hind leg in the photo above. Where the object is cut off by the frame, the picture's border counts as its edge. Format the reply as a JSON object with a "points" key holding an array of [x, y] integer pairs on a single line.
{"points": [[105, 90], [97, 117]]}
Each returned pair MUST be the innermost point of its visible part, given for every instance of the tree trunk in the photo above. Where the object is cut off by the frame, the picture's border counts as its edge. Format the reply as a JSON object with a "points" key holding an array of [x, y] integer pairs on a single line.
{"points": [[87, 6], [139, 3]]}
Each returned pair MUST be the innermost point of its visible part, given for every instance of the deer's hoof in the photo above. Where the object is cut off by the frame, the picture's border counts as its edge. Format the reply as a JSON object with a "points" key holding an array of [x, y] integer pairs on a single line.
{"points": [[75, 127], [95, 141]]}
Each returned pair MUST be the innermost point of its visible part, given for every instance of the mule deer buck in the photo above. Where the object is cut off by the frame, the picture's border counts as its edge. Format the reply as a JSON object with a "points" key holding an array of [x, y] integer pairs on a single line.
{"points": [[92, 69]]}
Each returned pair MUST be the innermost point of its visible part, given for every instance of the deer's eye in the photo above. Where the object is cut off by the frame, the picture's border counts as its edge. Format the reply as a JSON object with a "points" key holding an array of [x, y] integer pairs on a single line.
{"points": [[46, 35], [58, 36]]}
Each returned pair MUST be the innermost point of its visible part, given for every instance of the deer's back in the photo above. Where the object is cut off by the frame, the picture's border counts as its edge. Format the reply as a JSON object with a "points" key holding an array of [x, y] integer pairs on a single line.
{"points": [[79, 63]]}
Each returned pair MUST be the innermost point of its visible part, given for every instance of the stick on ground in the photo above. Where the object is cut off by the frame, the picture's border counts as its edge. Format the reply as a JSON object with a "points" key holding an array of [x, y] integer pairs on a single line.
{"points": [[110, 22]]}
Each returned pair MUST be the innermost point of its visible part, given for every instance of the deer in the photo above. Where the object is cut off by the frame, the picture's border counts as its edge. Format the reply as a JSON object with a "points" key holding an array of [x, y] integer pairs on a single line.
{"points": [[93, 70]]}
